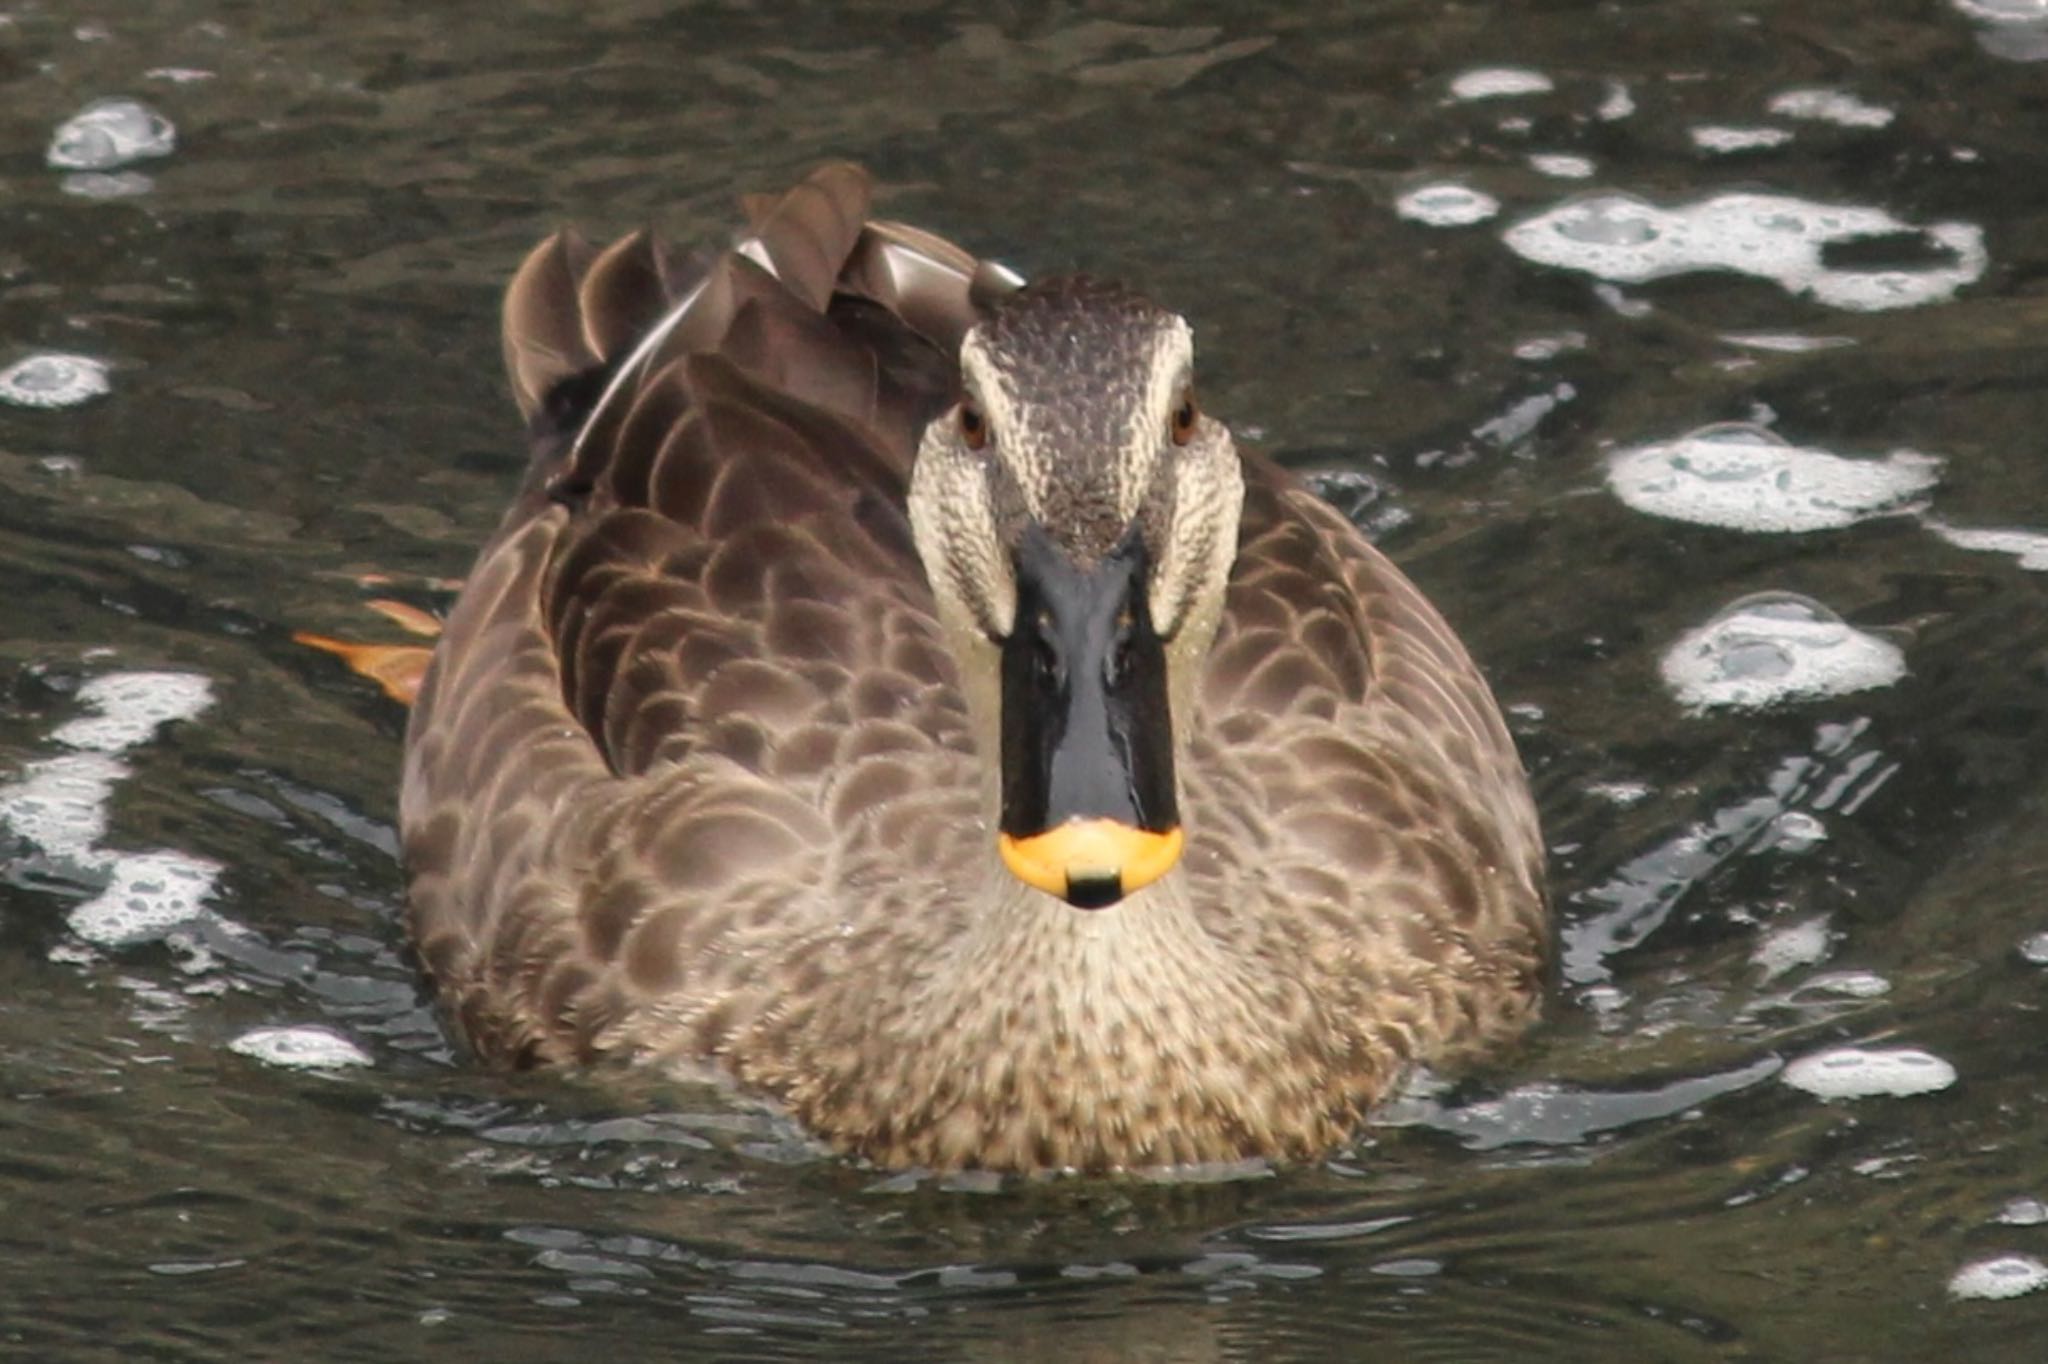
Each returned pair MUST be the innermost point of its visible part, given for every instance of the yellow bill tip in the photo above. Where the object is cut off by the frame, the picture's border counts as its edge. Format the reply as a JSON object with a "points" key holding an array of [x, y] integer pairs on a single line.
{"points": [[1091, 862]]}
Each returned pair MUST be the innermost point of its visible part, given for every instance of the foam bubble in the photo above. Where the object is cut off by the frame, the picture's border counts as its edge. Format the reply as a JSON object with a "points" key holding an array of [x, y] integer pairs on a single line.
{"points": [[148, 895], [1447, 204], [107, 184], [1627, 240], [2023, 1212], [1848, 984], [1830, 106], [1616, 105], [1715, 137], [1561, 165], [1773, 647], [60, 804], [1862, 1073], [306, 1047], [132, 707], [1539, 348], [53, 380], [2015, 30], [2002, 1276], [108, 134], [1792, 946], [1748, 477], [2035, 949], [1499, 82], [2030, 547], [1787, 343]]}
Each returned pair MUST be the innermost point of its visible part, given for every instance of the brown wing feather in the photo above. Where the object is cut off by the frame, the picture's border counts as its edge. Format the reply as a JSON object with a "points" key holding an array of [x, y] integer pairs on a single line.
{"points": [[1353, 764], [707, 628]]}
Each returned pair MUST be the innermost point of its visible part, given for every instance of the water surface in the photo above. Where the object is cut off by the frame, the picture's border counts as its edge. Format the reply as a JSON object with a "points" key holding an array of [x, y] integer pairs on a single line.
{"points": [[1468, 265]]}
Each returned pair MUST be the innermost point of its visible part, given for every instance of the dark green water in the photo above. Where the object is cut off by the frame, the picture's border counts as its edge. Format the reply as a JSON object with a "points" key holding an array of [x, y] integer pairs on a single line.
{"points": [[298, 315]]}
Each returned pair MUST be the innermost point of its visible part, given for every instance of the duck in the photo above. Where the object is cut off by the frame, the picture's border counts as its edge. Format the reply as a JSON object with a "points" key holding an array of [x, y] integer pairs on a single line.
{"points": [[892, 696]]}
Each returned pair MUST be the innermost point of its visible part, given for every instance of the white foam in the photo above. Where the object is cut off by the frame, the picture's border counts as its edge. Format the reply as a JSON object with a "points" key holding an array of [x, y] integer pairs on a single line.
{"points": [[1561, 165], [1446, 204], [2035, 949], [1787, 343], [132, 707], [1616, 105], [1773, 647], [108, 134], [1748, 477], [306, 1047], [106, 184], [1718, 137], [2014, 30], [1838, 107], [53, 380], [1794, 945], [1848, 984], [147, 896], [1862, 1073], [2030, 547], [1627, 240], [1540, 348], [60, 804], [1499, 82], [2004, 11], [2022, 1212], [2002, 1276]]}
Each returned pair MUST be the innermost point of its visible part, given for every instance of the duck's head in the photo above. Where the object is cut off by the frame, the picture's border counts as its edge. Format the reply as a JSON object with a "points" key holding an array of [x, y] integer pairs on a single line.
{"points": [[1077, 517]]}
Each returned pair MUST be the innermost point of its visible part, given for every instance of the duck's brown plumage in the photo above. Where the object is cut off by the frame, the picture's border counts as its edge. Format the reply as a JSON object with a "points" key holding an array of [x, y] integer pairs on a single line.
{"points": [[691, 780]]}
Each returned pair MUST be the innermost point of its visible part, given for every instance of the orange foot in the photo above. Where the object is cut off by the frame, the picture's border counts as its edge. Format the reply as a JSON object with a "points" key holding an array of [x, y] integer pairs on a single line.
{"points": [[397, 668]]}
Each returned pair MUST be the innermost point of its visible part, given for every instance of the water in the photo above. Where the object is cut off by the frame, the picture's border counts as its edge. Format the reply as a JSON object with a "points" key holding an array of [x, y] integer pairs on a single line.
{"points": [[285, 327]]}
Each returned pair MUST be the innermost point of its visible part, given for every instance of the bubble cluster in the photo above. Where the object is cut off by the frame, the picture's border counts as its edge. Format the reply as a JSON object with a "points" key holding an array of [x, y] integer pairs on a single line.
{"points": [[1447, 204], [1748, 477], [1561, 165], [1626, 240], [307, 1047], [59, 806], [1831, 106], [2002, 1276], [1714, 137], [108, 134], [2014, 30], [2030, 547], [1792, 946], [2022, 1212], [1773, 647], [52, 380], [130, 708], [1863, 1073], [1499, 82], [147, 895]]}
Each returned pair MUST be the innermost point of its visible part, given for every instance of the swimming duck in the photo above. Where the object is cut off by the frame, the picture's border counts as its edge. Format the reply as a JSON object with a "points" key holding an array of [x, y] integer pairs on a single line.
{"points": [[892, 693]]}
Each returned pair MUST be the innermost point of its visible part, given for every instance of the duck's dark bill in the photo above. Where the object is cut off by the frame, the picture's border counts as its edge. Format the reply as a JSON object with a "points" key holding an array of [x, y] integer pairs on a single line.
{"points": [[1088, 812], [1091, 862]]}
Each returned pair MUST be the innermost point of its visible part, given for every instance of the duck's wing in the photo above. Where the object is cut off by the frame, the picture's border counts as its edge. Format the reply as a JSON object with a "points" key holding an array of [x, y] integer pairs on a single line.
{"points": [[700, 649], [1333, 677]]}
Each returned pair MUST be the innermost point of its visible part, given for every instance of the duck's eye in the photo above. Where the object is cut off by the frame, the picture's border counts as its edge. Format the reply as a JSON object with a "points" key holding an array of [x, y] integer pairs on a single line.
{"points": [[973, 426], [1184, 418]]}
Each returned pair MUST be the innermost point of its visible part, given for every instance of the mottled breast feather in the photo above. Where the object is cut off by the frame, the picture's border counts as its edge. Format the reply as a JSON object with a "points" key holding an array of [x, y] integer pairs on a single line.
{"points": [[692, 781]]}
